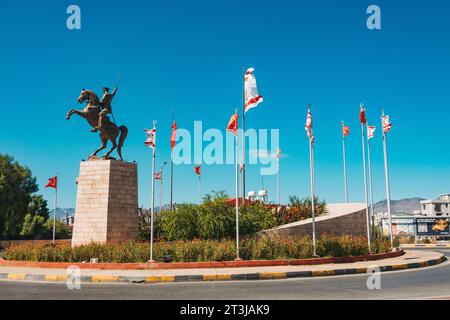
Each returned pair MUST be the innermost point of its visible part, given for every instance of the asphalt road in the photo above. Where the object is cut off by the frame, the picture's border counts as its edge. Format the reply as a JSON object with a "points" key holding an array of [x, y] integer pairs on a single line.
{"points": [[433, 282]]}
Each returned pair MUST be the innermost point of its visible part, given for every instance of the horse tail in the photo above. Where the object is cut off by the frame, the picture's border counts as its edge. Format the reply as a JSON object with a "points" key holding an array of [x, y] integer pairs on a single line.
{"points": [[123, 135]]}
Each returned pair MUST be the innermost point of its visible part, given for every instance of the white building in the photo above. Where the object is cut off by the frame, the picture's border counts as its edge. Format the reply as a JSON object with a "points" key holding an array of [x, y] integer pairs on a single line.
{"points": [[436, 208]]}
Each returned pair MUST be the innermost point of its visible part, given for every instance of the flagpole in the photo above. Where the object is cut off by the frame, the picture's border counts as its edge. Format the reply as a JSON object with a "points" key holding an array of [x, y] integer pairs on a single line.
{"points": [[243, 137], [311, 173], [153, 196], [365, 185], [386, 174], [345, 168], [171, 169], [311, 169], [237, 194], [160, 190], [278, 179], [54, 211], [370, 182], [199, 188]]}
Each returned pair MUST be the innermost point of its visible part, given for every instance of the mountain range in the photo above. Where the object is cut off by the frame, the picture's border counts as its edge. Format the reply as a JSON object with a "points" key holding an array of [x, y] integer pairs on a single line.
{"points": [[407, 205]]}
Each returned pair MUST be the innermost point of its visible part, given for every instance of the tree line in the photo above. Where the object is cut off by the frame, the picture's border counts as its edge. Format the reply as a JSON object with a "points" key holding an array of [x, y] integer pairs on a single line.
{"points": [[24, 214]]}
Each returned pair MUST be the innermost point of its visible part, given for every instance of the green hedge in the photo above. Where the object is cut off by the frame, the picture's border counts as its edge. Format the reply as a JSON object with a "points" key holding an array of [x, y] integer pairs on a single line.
{"points": [[252, 248], [214, 219]]}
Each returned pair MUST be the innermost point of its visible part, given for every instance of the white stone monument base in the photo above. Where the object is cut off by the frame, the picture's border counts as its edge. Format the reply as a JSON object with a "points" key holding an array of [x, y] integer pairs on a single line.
{"points": [[107, 202]]}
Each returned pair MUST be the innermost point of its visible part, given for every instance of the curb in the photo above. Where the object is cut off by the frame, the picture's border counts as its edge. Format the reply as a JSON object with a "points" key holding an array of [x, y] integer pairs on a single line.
{"points": [[201, 265], [434, 246], [217, 277]]}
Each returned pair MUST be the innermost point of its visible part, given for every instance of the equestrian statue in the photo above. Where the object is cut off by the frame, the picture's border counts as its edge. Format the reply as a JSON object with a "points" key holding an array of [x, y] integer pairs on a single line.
{"points": [[97, 114]]}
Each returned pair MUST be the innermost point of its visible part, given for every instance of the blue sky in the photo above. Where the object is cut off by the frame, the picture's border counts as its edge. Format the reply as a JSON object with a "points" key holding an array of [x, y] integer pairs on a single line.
{"points": [[187, 56]]}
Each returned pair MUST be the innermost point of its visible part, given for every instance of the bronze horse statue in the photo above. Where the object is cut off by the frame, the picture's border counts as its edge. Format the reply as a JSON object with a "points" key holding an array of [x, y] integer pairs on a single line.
{"points": [[108, 130]]}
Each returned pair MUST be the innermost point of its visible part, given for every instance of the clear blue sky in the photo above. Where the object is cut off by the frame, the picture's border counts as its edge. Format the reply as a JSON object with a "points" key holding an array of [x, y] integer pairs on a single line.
{"points": [[187, 56]]}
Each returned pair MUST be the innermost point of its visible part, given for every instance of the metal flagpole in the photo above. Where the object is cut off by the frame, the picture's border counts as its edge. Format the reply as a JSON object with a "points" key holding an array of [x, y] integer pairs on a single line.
{"points": [[171, 169], [365, 185], [199, 188], [370, 182], [160, 191], [311, 169], [237, 195], [161, 186], [386, 174], [54, 212], [153, 196], [278, 179], [345, 170], [243, 137]]}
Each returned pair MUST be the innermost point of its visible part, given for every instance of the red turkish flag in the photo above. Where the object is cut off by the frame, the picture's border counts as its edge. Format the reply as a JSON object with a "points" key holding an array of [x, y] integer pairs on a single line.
{"points": [[362, 114], [345, 130], [173, 137], [197, 170], [158, 175], [233, 124], [52, 183]]}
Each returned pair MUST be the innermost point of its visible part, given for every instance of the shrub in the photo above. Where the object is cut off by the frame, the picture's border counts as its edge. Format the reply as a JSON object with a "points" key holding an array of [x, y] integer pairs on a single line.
{"points": [[216, 219], [181, 223], [299, 209], [251, 248], [341, 246], [33, 227], [62, 231], [254, 218], [145, 223]]}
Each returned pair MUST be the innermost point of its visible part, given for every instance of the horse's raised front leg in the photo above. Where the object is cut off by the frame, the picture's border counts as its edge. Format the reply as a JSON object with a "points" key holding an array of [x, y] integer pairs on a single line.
{"points": [[81, 113], [69, 114]]}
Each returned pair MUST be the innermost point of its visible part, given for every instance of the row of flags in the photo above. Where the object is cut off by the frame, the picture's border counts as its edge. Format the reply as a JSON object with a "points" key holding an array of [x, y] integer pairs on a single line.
{"points": [[370, 130], [251, 100]]}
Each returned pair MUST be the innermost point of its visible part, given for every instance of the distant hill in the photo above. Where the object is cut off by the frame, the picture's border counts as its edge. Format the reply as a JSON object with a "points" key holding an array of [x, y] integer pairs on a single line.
{"points": [[61, 213], [399, 206]]}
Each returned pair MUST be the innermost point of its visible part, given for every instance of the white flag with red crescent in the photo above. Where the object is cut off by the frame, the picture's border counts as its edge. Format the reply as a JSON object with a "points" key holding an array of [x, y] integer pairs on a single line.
{"points": [[151, 138], [309, 124], [386, 123], [370, 132], [252, 97]]}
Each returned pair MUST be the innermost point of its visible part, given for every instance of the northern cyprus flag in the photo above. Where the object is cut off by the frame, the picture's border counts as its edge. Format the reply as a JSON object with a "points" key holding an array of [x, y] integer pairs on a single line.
{"points": [[370, 132], [252, 97]]}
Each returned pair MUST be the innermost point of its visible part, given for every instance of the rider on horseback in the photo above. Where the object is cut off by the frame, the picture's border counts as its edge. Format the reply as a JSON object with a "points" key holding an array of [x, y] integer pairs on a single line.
{"points": [[105, 106]]}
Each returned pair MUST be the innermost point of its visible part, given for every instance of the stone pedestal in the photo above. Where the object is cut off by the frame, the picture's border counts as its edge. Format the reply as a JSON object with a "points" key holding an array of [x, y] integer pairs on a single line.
{"points": [[107, 202]]}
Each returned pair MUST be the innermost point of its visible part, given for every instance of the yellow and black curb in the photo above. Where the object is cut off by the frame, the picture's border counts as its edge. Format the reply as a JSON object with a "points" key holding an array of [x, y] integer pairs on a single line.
{"points": [[217, 277], [425, 245]]}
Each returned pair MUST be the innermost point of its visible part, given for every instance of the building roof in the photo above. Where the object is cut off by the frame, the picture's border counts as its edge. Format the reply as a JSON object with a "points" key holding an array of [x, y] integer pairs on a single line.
{"points": [[435, 201]]}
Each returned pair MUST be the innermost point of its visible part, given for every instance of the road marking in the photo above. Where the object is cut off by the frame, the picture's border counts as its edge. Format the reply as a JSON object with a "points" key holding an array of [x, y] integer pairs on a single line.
{"points": [[16, 276], [323, 273], [104, 278], [399, 267], [167, 278], [272, 275], [213, 277], [55, 277]]}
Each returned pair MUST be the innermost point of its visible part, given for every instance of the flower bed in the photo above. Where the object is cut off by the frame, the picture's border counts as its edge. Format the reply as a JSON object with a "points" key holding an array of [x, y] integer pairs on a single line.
{"points": [[275, 248]]}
